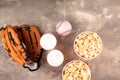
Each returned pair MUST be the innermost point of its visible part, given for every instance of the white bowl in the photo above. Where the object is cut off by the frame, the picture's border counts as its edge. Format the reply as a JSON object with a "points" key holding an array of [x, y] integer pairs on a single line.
{"points": [[55, 58], [48, 41]]}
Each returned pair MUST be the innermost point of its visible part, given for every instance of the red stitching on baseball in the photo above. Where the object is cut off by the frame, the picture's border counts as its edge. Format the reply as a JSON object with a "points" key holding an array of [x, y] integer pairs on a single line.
{"points": [[66, 32], [60, 24]]}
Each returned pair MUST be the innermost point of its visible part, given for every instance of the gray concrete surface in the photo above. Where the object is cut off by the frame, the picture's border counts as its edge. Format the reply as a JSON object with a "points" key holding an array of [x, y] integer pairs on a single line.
{"points": [[101, 16]]}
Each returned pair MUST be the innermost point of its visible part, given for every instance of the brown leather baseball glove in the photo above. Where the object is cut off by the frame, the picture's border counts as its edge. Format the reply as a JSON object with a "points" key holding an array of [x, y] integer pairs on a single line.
{"points": [[22, 44]]}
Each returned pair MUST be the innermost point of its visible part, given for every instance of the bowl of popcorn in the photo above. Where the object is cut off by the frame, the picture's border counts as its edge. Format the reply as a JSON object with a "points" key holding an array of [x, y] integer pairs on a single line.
{"points": [[76, 70], [88, 45]]}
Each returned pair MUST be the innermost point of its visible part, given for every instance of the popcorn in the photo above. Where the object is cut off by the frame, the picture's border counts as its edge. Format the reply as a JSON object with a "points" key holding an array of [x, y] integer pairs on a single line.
{"points": [[88, 45], [76, 70]]}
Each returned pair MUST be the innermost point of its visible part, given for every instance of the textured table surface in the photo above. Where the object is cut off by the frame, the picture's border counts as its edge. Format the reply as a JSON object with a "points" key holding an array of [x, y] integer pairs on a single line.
{"points": [[101, 16]]}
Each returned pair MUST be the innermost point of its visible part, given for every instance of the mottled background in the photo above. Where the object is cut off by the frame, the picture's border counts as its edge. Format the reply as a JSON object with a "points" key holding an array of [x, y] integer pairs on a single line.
{"points": [[101, 16]]}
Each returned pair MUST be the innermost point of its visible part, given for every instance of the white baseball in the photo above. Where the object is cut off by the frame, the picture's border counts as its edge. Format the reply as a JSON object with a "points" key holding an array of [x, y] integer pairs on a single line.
{"points": [[64, 28], [48, 41], [55, 58]]}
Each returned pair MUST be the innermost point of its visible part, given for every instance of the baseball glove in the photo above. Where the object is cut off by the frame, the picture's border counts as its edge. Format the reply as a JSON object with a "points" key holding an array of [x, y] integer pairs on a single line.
{"points": [[22, 44]]}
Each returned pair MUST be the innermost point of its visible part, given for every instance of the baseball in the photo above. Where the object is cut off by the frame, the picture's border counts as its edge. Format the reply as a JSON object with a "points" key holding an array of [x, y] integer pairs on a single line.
{"points": [[64, 28], [55, 58], [48, 41]]}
